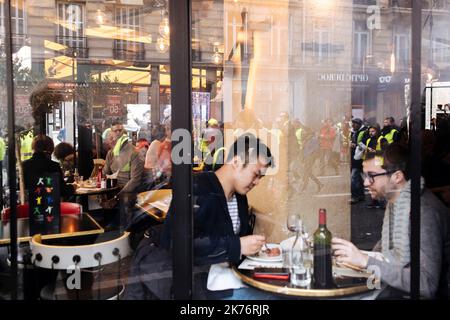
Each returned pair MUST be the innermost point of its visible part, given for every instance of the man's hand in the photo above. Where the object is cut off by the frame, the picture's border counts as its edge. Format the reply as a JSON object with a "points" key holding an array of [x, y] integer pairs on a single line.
{"points": [[346, 252], [252, 244]]}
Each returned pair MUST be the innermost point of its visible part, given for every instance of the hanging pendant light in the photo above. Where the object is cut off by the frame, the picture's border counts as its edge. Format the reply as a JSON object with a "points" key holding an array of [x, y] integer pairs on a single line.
{"points": [[217, 57], [164, 28], [99, 17], [162, 45], [392, 66]]}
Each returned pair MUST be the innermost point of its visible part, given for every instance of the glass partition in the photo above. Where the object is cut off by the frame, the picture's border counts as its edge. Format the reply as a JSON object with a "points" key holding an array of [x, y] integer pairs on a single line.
{"points": [[93, 106], [325, 85]]}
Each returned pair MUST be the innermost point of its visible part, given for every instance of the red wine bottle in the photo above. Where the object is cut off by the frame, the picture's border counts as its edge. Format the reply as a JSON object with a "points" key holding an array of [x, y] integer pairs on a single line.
{"points": [[323, 278]]}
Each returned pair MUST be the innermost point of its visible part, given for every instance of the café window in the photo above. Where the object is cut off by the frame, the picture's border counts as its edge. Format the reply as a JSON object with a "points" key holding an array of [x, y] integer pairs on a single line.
{"points": [[71, 28], [402, 48], [18, 22], [128, 20], [361, 43]]}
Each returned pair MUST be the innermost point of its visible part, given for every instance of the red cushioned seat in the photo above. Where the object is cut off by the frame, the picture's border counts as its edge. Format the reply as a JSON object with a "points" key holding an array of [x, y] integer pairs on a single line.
{"points": [[22, 210]]}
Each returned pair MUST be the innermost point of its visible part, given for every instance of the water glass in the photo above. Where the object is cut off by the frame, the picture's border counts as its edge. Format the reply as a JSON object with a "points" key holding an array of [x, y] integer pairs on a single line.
{"points": [[300, 270], [286, 254]]}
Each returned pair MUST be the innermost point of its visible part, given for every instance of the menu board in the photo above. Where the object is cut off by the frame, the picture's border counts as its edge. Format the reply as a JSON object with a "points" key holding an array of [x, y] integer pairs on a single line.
{"points": [[44, 203]]}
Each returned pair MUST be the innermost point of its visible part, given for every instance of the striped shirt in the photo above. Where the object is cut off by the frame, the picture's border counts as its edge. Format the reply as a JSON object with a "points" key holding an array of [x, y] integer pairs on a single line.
{"points": [[234, 214]]}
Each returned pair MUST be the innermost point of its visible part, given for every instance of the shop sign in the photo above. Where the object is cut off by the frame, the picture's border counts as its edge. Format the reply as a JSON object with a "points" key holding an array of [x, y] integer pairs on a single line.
{"points": [[384, 81], [113, 106], [22, 107], [343, 77]]}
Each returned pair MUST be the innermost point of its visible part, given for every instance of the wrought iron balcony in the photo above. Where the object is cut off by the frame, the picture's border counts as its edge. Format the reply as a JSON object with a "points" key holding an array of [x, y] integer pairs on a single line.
{"points": [[76, 46], [128, 50]]}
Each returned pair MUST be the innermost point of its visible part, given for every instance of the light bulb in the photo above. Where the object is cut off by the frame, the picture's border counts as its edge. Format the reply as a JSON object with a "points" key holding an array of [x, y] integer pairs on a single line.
{"points": [[392, 63], [162, 45], [99, 17], [217, 58], [164, 29]]}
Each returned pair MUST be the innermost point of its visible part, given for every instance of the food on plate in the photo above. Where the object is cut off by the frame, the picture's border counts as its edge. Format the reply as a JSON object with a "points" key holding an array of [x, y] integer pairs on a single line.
{"points": [[272, 252]]}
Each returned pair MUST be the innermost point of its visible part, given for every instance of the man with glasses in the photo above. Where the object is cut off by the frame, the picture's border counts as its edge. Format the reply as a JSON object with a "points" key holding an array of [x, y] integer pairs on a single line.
{"points": [[387, 178]]}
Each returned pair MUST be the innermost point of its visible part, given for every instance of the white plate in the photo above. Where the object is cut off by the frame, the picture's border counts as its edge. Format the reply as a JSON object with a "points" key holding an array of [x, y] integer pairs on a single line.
{"points": [[263, 256]]}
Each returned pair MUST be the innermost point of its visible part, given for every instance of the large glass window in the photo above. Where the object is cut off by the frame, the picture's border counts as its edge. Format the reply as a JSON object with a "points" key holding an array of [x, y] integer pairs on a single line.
{"points": [[326, 85]]}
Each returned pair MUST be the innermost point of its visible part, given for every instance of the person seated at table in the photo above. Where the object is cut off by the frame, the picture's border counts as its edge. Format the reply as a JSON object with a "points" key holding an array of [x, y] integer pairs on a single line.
{"points": [[387, 178], [64, 153], [43, 148], [124, 160], [222, 232], [164, 161], [158, 136]]}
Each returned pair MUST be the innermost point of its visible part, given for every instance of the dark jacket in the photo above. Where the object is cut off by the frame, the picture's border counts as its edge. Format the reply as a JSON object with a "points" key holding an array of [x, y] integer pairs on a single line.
{"points": [[214, 238], [214, 242], [40, 163]]}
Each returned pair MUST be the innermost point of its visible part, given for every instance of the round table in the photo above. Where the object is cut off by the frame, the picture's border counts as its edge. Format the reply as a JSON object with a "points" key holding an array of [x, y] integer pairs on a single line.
{"points": [[94, 191], [283, 287]]}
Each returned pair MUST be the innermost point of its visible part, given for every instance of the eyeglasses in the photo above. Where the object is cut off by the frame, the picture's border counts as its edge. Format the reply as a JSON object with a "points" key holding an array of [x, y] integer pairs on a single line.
{"points": [[371, 176]]}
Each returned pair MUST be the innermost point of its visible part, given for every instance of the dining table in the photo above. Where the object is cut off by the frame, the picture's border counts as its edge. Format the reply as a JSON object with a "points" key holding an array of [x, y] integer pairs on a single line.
{"points": [[349, 283], [86, 189]]}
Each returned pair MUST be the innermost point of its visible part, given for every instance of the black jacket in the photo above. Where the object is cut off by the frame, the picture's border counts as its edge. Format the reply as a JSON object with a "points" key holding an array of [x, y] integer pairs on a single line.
{"points": [[40, 163], [214, 238]]}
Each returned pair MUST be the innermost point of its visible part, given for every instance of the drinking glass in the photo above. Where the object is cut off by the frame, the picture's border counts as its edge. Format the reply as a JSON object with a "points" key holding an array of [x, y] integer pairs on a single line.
{"points": [[300, 269], [294, 224]]}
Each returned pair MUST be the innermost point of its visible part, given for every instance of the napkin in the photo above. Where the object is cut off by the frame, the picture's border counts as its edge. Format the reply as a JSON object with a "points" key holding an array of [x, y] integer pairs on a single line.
{"points": [[221, 277]]}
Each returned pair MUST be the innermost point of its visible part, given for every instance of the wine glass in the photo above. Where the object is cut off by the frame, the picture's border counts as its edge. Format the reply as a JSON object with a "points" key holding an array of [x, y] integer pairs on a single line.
{"points": [[294, 224]]}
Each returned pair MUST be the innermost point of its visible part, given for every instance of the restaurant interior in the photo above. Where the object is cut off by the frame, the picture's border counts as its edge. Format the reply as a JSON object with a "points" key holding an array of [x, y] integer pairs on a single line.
{"points": [[100, 99]]}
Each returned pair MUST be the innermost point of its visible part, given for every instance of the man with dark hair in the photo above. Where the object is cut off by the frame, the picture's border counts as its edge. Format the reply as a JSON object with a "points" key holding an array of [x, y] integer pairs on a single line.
{"points": [[64, 153], [387, 178], [390, 131], [222, 231], [124, 162], [41, 162]]}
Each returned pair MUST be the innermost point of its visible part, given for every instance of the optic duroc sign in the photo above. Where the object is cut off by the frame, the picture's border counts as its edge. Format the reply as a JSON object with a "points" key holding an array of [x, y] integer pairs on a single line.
{"points": [[343, 77]]}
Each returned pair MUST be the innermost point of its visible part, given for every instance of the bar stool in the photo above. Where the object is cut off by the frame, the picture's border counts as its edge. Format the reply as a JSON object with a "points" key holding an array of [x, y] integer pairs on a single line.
{"points": [[84, 261]]}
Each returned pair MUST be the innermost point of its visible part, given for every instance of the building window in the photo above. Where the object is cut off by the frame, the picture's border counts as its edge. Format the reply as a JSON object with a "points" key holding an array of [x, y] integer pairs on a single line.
{"points": [[361, 43], [441, 50], [322, 46], [71, 33], [18, 22], [401, 44], [127, 20]]}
